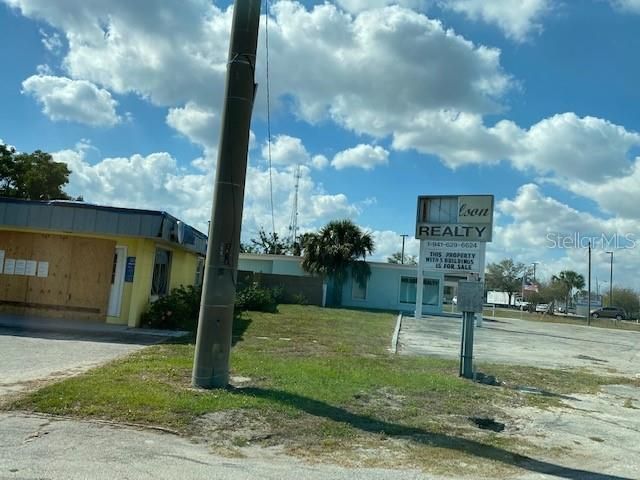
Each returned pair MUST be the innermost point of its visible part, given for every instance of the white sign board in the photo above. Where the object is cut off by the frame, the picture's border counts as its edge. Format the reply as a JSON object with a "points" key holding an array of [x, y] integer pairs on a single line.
{"points": [[451, 256], [43, 269], [459, 217], [9, 266], [21, 267], [30, 268]]}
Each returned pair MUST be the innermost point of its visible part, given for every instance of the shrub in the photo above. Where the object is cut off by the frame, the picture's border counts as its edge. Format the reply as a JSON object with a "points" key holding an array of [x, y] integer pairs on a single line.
{"points": [[257, 298], [179, 310], [299, 299], [176, 311]]}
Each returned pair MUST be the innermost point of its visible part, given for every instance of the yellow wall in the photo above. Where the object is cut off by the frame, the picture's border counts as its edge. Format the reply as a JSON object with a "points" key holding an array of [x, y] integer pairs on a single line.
{"points": [[136, 295]]}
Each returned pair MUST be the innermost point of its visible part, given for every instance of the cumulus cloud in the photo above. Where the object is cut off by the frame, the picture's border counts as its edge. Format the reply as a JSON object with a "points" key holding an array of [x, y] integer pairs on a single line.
{"points": [[532, 222], [72, 100], [516, 19], [362, 156], [356, 6], [288, 150], [198, 124]]}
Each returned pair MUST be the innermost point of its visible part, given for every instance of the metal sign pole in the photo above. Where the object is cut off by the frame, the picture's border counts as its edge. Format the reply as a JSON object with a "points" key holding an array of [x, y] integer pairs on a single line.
{"points": [[466, 353]]}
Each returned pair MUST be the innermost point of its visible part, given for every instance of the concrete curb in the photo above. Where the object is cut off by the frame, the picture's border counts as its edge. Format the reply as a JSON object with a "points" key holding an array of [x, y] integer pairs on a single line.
{"points": [[396, 335]]}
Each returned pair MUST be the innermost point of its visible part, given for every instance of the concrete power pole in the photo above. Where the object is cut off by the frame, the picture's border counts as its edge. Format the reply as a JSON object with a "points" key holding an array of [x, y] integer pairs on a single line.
{"points": [[215, 321]]}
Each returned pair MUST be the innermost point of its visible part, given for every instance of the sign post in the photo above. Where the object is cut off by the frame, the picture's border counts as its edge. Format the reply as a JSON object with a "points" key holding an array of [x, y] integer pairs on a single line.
{"points": [[470, 301]]}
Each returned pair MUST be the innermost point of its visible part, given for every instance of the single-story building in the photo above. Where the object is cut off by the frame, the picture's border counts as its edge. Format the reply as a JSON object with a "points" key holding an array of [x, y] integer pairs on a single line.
{"points": [[84, 261], [390, 286]]}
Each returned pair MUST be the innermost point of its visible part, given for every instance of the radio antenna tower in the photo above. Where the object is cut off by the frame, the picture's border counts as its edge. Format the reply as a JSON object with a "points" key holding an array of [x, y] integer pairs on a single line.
{"points": [[293, 221]]}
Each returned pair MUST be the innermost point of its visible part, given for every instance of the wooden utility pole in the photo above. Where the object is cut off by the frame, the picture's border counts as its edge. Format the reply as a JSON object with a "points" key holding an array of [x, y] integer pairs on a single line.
{"points": [[215, 321]]}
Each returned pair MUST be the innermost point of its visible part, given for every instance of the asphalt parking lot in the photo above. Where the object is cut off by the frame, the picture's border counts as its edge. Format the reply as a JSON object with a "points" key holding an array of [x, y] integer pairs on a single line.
{"points": [[29, 356], [522, 342]]}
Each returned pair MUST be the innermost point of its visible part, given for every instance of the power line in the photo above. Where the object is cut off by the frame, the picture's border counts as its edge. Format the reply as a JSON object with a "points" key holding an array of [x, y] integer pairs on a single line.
{"points": [[266, 37]]}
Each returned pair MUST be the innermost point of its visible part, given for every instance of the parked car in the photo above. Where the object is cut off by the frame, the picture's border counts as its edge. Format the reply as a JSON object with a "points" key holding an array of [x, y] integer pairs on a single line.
{"points": [[454, 300], [542, 308], [609, 312]]}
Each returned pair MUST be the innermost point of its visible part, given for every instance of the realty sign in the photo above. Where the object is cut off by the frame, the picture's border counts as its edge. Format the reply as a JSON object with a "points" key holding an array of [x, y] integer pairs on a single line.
{"points": [[455, 217]]}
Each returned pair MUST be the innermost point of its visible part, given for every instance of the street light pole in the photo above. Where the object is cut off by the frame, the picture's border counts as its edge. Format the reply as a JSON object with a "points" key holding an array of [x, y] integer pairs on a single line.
{"points": [[611, 281], [215, 320], [403, 239]]}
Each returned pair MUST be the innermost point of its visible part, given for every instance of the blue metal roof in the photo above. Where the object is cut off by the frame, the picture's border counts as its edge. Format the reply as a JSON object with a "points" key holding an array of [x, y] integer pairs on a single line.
{"points": [[81, 217]]}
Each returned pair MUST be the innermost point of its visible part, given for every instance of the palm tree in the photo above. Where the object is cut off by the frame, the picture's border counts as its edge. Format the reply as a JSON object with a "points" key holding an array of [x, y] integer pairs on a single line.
{"points": [[571, 280], [335, 250]]}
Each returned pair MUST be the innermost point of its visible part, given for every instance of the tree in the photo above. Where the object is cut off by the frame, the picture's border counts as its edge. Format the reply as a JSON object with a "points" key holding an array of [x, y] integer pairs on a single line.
{"points": [[626, 299], [571, 280], [338, 249], [505, 276], [397, 258], [268, 243], [32, 176]]}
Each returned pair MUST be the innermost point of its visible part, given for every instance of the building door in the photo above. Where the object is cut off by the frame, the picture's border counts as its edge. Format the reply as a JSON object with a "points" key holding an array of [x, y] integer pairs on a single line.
{"points": [[117, 281]]}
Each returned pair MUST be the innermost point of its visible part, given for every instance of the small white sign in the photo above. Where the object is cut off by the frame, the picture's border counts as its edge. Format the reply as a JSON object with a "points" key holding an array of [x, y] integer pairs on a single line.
{"points": [[31, 267], [43, 269], [9, 266], [21, 267], [1, 261]]}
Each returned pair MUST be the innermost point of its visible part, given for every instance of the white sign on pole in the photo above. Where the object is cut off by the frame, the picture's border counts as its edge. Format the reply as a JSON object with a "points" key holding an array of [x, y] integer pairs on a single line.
{"points": [[451, 256], [453, 231]]}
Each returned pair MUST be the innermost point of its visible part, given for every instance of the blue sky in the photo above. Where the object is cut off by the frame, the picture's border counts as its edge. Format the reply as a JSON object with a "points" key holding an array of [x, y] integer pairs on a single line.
{"points": [[380, 101]]}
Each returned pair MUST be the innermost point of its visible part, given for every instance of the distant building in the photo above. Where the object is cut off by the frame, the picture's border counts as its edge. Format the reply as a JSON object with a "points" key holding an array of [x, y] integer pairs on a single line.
{"points": [[390, 286], [92, 262]]}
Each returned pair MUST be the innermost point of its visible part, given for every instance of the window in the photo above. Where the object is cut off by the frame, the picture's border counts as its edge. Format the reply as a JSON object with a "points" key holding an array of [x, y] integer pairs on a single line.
{"points": [[199, 272], [430, 290], [161, 269], [358, 292]]}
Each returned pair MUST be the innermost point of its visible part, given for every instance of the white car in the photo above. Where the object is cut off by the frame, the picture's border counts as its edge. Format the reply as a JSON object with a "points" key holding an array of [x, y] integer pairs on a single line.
{"points": [[454, 300], [542, 308]]}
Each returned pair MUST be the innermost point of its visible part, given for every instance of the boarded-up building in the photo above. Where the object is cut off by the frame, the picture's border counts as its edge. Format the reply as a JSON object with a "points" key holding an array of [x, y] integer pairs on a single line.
{"points": [[78, 260]]}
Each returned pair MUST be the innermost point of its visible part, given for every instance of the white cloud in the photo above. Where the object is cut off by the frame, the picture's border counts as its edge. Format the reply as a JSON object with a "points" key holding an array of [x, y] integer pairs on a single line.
{"points": [[531, 222], [362, 156], [517, 19], [52, 42], [356, 6], [198, 124], [72, 100], [390, 45], [631, 6], [288, 150], [388, 242]]}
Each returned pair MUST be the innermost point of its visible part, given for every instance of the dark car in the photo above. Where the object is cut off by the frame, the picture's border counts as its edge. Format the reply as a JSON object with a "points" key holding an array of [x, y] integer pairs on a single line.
{"points": [[609, 312]]}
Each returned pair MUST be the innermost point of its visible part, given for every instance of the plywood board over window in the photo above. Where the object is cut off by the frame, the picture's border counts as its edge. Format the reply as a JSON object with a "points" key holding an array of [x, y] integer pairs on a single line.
{"points": [[78, 276], [90, 281]]}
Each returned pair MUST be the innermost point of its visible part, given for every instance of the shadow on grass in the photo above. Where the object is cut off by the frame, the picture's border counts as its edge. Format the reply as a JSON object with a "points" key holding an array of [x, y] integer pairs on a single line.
{"points": [[425, 437], [241, 323]]}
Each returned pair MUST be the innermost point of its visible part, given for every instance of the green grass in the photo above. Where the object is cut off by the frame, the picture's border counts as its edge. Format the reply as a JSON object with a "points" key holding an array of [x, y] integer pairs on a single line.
{"points": [[322, 384]]}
